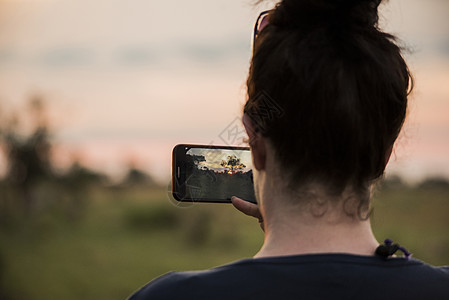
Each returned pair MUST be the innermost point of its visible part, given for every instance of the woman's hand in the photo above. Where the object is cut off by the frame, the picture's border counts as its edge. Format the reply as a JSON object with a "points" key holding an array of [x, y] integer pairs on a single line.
{"points": [[248, 208]]}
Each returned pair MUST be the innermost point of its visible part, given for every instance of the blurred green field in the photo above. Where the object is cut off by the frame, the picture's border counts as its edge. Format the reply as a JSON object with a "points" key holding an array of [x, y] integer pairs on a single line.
{"points": [[126, 237]]}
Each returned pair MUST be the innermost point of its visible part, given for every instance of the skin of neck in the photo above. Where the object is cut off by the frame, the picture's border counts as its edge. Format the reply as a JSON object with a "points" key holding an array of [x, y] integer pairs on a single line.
{"points": [[303, 223], [307, 223]]}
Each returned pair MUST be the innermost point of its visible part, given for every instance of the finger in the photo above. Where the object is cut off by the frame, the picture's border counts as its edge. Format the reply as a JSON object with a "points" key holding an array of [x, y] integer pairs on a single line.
{"points": [[246, 207]]}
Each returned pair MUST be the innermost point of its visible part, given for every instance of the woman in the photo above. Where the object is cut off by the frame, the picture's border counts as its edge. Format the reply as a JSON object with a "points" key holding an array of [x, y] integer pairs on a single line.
{"points": [[327, 97]]}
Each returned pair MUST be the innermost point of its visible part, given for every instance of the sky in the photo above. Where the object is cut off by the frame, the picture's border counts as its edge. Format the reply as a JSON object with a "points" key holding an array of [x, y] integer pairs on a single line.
{"points": [[125, 81]]}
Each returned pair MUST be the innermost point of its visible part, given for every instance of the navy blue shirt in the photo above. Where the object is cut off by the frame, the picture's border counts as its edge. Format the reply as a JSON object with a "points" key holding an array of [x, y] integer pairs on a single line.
{"points": [[314, 276]]}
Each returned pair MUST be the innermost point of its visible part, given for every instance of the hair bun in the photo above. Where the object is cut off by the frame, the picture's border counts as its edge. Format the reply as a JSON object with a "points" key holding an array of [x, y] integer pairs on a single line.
{"points": [[361, 13]]}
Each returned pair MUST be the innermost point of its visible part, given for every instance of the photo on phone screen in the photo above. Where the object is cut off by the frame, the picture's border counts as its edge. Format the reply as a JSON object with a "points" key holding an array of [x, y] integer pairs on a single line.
{"points": [[212, 173]]}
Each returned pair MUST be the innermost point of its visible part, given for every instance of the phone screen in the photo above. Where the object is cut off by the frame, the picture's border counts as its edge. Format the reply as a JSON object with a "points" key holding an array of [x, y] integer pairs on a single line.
{"points": [[212, 173]]}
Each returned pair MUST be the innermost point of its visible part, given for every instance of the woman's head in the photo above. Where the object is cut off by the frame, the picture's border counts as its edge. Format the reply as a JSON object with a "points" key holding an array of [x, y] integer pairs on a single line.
{"points": [[340, 86]]}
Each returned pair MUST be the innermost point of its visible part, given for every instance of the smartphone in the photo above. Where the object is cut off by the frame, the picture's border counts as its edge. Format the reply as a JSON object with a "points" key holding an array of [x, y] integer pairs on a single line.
{"points": [[205, 173]]}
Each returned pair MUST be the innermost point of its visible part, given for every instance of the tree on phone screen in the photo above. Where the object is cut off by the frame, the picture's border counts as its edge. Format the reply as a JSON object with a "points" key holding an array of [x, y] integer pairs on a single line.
{"points": [[233, 163]]}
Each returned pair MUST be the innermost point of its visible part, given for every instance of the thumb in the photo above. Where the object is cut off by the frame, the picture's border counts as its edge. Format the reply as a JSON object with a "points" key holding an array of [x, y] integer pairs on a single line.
{"points": [[247, 208]]}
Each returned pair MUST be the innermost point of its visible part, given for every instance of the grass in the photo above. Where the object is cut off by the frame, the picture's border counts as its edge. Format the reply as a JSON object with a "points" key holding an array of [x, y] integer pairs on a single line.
{"points": [[128, 237], [417, 219]]}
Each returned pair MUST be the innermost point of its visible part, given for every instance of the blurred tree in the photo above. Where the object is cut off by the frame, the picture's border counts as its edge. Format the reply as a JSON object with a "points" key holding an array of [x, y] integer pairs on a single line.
{"points": [[80, 176], [74, 188], [136, 176], [27, 154], [434, 183], [392, 182]]}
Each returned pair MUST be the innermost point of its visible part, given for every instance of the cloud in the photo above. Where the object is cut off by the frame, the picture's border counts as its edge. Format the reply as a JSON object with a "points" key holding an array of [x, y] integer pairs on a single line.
{"points": [[129, 55], [67, 57], [137, 55], [443, 47], [204, 51], [7, 56]]}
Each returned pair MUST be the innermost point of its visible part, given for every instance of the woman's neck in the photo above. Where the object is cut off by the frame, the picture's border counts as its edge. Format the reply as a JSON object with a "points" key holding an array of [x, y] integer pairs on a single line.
{"points": [[291, 238], [314, 228]]}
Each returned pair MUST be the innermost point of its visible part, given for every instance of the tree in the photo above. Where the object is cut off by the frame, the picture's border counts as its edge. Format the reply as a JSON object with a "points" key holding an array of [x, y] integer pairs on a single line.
{"points": [[198, 158], [192, 162], [28, 155], [434, 183], [233, 163], [136, 176]]}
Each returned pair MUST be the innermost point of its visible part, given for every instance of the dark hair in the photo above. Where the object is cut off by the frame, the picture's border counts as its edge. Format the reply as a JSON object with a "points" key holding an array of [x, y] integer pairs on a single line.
{"points": [[341, 85]]}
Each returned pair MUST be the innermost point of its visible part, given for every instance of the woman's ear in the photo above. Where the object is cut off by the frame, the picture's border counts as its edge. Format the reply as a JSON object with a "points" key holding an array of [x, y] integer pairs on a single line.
{"points": [[256, 143]]}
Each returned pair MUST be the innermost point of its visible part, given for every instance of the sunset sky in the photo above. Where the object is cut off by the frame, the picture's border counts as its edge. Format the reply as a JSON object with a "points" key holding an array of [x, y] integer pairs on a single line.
{"points": [[127, 80]]}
